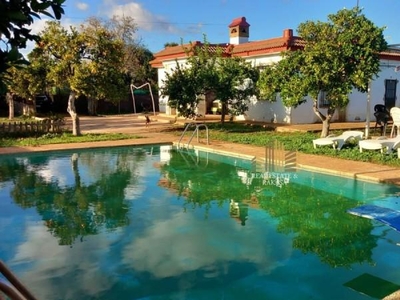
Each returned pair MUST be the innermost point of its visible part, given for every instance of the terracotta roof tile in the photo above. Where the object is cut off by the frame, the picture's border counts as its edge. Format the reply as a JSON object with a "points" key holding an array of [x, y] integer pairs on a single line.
{"points": [[174, 50], [213, 48], [252, 48], [170, 53], [391, 53], [276, 43], [239, 22]]}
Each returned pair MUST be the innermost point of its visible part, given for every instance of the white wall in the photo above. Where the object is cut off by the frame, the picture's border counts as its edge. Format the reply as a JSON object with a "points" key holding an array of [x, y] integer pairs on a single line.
{"points": [[161, 100], [303, 114], [265, 111], [276, 112], [357, 107]]}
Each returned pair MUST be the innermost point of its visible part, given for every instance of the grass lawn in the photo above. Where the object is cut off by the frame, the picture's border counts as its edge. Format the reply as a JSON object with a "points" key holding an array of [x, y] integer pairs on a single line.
{"points": [[61, 138], [295, 141]]}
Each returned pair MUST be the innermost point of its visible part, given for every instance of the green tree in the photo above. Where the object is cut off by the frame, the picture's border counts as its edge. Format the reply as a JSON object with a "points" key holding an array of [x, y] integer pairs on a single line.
{"points": [[64, 52], [135, 57], [339, 55], [15, 16], [170, 44], [234, 85], [19, 84], [101, 76], [27, 81], [182, 91], [231, 79], [138, 59], [85, 62], [190, 80]]}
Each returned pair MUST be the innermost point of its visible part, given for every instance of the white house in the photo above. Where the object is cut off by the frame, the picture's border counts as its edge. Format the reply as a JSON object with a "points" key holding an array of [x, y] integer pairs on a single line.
{"points": [[383, 89]]}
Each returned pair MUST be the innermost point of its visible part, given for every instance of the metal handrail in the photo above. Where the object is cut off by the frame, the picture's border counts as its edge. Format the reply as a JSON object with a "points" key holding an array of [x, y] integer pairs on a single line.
{"points": [[196, 130], [16, 289]]}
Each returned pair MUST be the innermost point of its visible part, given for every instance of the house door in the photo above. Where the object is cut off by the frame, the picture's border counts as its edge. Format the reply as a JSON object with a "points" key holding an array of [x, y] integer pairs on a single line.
{"points": [[390, 93]]}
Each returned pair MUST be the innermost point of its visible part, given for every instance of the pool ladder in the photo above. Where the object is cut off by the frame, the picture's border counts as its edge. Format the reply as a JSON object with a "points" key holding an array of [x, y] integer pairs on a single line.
{"points": [[13, 288], [196, 130]]}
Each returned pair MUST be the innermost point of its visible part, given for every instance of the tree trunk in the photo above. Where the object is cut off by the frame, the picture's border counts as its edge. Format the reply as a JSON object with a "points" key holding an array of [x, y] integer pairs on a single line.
{"points": [[74, 160], [28, 109], [325, 127], [92, 106], [326, 120], [223, 112], [74, 116], [10, 102]]}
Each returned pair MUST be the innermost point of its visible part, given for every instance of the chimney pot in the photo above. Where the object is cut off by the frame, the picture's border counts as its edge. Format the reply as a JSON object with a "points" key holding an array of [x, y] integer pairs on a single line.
{"points": [[288, 33]]}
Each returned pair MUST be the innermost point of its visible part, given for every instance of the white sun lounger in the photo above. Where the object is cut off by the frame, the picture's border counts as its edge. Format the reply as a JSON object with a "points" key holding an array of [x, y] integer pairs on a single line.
{"points": [[338, 141], [384, 144]]}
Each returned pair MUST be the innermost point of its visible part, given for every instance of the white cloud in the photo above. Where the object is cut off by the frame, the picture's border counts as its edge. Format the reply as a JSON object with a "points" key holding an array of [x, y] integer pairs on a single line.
{"points": [[82, 6], [177, 245], [43, 259], [144, 18]]}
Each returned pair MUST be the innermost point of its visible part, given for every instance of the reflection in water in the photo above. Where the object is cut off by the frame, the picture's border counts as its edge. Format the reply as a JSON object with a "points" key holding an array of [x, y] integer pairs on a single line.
{"points": [[78, 208], [238, 211], [144, 223], [317, 219]]}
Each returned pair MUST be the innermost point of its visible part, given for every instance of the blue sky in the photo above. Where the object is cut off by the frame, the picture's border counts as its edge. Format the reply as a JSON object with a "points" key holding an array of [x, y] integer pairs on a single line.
{"points": [[163, 21]]}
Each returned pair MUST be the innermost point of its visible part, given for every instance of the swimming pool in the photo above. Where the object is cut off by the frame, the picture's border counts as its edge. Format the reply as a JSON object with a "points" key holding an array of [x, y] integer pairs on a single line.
{"points": [[160, 223]]}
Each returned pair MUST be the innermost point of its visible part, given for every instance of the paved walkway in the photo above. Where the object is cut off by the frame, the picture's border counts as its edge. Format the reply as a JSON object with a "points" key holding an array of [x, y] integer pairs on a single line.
{"points": [[153, 134]]}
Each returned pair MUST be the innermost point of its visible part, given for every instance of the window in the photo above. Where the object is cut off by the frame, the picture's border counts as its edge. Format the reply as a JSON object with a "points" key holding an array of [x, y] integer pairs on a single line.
{"points": [[323, 102], [390, 93]]}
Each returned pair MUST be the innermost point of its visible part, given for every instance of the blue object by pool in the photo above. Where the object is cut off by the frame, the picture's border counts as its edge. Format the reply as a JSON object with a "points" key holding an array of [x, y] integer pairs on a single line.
{"points": [[387, 216]]}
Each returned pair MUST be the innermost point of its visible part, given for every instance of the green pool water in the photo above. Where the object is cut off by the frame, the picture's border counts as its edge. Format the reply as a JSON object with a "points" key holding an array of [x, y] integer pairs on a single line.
{"points": [[160, 223]]}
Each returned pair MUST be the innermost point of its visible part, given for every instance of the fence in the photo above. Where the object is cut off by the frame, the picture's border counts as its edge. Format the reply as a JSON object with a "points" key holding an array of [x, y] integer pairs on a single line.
{"points": [[42, 126]]}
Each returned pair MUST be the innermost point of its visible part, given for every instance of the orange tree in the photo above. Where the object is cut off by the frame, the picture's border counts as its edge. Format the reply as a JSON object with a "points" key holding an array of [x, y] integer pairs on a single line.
{"points": [[86, 62], [339, 55], [185, 84], [234, 84], [231, 79]]}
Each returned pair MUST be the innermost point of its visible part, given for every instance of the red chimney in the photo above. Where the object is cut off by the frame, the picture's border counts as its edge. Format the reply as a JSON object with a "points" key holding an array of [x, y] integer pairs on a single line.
{"points": [[288, 33]]}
